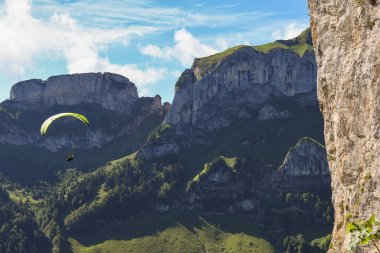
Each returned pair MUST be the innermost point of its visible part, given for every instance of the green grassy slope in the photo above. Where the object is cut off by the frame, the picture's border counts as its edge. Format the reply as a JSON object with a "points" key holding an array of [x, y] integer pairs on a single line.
{"points": [[228, 161], [212, 60], [299, 45], [176, 231], [182, 231]]}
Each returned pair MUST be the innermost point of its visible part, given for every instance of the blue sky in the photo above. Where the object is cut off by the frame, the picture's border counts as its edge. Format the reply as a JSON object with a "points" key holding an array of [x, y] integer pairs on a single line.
{"points": [[149, 41]]}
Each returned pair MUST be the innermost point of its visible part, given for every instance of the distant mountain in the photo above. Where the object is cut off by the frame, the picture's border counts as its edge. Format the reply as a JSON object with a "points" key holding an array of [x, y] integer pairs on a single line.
{"points": [[119, 123], [226, 168]]}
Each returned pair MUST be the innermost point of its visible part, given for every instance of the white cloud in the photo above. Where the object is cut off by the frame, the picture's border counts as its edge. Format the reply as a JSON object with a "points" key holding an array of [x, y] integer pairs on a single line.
{"points": [[25, 40], [222, 44], [186, 48], [176, 73], [276, 35], [289, 32], [154, 51], [293, 30]]}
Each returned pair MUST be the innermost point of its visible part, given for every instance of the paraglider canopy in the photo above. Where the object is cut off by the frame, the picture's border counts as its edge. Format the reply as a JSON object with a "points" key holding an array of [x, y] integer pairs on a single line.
{"points": [[50, 120]]}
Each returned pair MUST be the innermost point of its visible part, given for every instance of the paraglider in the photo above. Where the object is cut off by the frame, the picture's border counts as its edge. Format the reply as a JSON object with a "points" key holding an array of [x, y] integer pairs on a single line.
{"points": [[50, 120], [70, 157], [45, 126]]}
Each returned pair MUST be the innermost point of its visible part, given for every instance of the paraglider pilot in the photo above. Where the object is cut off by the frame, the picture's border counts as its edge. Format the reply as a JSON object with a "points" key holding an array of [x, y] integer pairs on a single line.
{"points": [[48, 122], [70, 157]]}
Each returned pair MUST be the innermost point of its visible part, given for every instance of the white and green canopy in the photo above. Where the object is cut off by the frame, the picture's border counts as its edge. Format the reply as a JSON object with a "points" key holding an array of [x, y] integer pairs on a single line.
{"points": [[48, 122]]}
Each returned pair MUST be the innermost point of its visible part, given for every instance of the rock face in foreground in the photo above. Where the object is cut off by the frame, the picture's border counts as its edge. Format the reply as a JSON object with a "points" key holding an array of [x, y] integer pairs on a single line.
{"points": [[346, 41], [111, 91]]}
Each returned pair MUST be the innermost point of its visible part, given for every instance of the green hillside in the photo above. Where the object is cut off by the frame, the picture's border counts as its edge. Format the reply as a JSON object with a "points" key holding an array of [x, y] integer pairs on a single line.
{"points": [[299, 45], [184, 232], [178, 231], [43, 164], [90, 204]]}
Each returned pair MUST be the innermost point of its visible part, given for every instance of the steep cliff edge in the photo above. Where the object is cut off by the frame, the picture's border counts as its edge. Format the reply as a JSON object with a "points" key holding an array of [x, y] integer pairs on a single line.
{"points": [[242, 79], [346, 41], [258, 85], [111, 91]]}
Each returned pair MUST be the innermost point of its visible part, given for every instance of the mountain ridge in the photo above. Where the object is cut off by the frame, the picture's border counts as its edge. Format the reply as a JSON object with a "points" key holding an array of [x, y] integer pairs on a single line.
{"points": [[298, 45], [111, 91], [216, 154]]}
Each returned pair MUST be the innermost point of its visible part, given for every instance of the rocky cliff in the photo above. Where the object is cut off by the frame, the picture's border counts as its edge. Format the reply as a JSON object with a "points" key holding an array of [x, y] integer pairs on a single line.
{"points": [[227, 85], [305, 159], [304, 167], [346, 41], [111, 91], [257, 85], [238, 186], [95, 93]]}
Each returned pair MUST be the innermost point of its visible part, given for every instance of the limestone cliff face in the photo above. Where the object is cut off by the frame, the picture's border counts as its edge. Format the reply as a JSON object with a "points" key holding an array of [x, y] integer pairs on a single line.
{"points": [[346, 41], [111, 91], [110, 101], [305, 166], [91, 139], [247, 84], [305, 159], [209, 97]]}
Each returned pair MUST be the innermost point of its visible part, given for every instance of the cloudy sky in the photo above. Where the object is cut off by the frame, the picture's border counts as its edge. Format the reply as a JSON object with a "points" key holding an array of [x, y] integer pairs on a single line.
{"points": [[149, 41]]}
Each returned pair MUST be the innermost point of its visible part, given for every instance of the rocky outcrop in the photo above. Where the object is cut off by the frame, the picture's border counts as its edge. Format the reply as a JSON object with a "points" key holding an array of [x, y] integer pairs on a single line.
{"points": [[220, 185], [234, 186], [305, 167], [346, 41], [90, 139], [160, 143], [306, 158], [111, 91], [209, 96]]}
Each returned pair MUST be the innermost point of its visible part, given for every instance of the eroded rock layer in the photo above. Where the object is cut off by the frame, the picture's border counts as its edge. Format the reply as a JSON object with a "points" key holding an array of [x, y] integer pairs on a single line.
{"points": [[111, 91], [207, 97]]}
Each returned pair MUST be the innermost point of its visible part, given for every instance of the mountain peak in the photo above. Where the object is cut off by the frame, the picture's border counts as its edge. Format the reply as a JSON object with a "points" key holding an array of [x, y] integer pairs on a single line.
{"points": [[111, 91], [299, 45]]}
